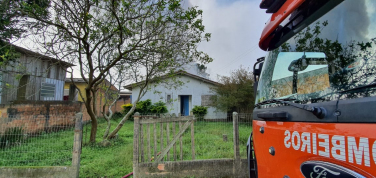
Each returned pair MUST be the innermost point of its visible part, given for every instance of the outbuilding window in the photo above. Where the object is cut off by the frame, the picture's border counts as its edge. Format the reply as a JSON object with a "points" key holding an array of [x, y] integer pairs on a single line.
{"points": [[48, 90]]}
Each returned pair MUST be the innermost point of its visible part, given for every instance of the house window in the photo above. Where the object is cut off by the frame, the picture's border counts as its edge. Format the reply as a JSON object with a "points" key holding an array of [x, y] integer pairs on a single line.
{"points": [[207, 100], [48, 90], [169, 98]]}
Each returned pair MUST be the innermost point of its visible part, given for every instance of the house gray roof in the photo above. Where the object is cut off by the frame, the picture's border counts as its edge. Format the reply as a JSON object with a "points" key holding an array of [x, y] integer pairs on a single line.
{"points": [[41, 56], [179, 73]]}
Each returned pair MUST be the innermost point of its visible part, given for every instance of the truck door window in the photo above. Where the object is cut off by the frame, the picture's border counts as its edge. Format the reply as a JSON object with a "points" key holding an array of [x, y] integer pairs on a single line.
{"points": [[348, 46]]}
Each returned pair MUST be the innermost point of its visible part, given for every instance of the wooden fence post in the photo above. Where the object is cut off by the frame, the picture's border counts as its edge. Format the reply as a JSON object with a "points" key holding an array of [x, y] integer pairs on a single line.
{"points": [[77, 144], [135, 142], [236, 165], [236, 135], [193, 138]]}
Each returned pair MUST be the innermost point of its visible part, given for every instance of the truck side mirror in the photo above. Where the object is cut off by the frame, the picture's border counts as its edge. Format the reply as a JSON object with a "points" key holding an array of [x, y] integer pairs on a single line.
{"points": [[257, 73]]}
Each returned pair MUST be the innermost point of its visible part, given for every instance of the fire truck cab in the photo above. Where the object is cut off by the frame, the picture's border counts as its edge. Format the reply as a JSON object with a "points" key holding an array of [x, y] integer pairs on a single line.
{"points": [[315, 108]]}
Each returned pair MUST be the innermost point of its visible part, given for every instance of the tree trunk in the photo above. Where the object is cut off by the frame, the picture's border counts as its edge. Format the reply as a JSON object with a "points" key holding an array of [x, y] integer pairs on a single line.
{"points": [[93, 132], [107, 128], [125, 118], [94, 122], [121, 123]]}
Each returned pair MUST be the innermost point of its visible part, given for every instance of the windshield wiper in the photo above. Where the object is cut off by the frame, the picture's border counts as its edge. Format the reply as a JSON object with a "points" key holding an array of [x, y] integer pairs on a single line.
{"points": [[319, 112], [357, 88]]}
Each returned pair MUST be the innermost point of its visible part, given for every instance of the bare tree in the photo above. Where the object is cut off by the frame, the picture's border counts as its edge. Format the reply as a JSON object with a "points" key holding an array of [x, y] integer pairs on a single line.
{"points": [[111, 95], [150, 38]]}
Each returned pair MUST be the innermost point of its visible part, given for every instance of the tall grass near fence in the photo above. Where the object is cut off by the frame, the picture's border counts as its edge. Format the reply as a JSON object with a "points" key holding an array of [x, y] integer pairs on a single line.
{"points": [[213, 139], [110, 161], [36, 141]]}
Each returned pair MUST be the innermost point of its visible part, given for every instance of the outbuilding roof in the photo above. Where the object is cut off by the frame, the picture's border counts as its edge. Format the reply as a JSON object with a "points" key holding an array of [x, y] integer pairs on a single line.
{"points": [[41, 56]]}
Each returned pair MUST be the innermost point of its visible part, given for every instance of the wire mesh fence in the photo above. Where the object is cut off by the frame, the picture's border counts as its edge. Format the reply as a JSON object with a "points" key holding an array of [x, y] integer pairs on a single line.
{"points": [[214, 138], [44, 140], [207, 139]]}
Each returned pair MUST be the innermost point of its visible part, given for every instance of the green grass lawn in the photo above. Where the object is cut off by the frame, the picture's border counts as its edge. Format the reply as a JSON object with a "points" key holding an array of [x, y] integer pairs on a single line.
{"points": [[112, 161], [116, 160]]}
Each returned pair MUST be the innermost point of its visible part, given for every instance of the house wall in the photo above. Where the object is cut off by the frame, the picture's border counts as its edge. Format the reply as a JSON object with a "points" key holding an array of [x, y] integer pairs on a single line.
{"points": [[121, 101], [193, 87], [80, 86], [39, 71], [99, 99]]}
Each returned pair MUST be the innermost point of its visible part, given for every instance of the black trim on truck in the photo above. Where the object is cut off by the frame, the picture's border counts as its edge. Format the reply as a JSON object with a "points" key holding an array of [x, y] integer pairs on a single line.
{"points": [[251, 157], [359, 110]]}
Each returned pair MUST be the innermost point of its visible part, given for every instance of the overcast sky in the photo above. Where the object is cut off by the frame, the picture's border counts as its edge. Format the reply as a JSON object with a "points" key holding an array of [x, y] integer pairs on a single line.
{"points": [[235, 27]]}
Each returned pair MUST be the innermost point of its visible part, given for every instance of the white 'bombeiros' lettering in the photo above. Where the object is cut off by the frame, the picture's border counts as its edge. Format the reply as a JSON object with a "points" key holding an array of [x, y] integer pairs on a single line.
{"points": [[287, 138], [324, 144], [306, 142], [333, 146], [314, 144], [297, 145], [339, 147], [358, 151], [374, 151]]}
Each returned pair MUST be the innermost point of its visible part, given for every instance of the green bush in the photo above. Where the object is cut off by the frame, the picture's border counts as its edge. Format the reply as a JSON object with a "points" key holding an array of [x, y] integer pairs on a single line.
{"points": [[146, 107], [199, 112], [143, 106], [126, 108], [158, 107]]}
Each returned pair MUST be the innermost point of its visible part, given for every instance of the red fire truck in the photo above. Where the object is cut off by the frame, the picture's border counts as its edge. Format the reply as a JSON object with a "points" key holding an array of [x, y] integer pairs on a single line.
{"points": [[315, 108]]}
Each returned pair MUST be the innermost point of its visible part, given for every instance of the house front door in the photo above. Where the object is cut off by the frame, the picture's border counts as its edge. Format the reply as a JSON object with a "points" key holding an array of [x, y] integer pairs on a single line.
{"points": [[184, 105]]}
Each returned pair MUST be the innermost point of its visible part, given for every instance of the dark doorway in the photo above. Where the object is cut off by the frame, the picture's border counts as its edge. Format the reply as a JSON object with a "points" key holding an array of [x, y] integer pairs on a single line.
{"points": [[22, 87], [184, 105]]}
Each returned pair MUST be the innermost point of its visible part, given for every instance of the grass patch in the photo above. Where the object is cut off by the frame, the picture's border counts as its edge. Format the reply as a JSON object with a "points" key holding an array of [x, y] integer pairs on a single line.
{"points": [[116, 160], [112, 161], [45, 149]]}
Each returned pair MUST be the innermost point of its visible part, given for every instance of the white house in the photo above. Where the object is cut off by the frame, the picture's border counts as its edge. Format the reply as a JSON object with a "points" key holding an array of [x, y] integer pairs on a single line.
{"points": [[194, 91]]}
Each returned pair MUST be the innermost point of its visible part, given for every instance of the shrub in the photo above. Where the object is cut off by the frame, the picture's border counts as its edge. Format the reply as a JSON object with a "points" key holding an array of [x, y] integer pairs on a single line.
{"points": [[146, 107], [199, 112], [126, 108], [158, 107], [143, 106]]}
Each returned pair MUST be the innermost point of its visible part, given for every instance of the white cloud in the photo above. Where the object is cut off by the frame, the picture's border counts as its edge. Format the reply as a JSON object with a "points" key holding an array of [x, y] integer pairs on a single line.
{"points": [[236, 27]]}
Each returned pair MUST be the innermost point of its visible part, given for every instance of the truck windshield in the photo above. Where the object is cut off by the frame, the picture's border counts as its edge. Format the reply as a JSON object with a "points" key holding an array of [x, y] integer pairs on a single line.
{"points": [[336, 53]]}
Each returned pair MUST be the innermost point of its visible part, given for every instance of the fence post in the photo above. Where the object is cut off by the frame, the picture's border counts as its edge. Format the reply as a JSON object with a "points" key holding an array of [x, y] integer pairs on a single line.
{"points": [[193, 138], [77, 144], [236, 135], [135, 142]]}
